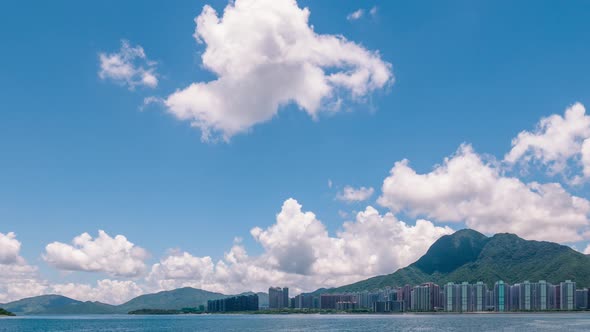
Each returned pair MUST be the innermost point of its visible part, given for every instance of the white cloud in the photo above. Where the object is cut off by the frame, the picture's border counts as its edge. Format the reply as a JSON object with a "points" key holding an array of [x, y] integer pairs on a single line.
{"points": [[350, 194], [182, 266], [330, 184], [298, 251], [235, 273], [357, 14], [585, 152], [373, 11], [9, 248], [151, 100], [106, 291], [130, 66], [21, 281], [465, 188], [114, 256], [556, 140], [291, 240], [266, 55], [18, 279], [364, 242]]}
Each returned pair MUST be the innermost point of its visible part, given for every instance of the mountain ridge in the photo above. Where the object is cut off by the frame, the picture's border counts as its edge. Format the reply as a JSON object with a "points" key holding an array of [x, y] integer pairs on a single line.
{"points": [[56, 304], [53, 304], [465, 255], [468, 255]]}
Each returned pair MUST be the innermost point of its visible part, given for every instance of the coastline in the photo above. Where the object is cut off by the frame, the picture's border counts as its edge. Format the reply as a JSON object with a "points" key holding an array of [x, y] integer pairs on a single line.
{"points": [[337, 314], [344, 313]]}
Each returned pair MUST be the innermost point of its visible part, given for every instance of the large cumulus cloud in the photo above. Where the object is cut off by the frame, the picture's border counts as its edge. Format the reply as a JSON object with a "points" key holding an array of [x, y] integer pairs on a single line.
{"points": [[266, 55], [465, 188], [115, 256], [299, 252]]}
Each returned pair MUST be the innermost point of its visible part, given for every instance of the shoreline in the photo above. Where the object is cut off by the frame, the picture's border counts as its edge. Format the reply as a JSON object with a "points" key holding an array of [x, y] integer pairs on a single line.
{"points": [[394, 313], [517, 313]]}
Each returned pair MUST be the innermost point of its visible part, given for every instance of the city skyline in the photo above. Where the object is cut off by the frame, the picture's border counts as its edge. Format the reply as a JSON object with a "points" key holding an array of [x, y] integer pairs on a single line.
{"points": [[463, 297], [452, 297], [235, 145]]}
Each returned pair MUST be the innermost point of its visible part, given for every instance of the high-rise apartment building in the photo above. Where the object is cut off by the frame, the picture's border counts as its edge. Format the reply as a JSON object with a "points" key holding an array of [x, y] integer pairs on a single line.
{"points": [[278, 298], [338, 301], [568, 295], [466, 297], [582, 299], [543, 296], [286, 303], [234, 304], [526, 297], [480, 291], [452, 297], [514, 297], [463, 297], [304, 301], [424, 297], [501, 296], [406, 296]]}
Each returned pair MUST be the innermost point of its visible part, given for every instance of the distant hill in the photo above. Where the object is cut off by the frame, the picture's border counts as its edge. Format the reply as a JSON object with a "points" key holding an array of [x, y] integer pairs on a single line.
{"points": [[4, 312], [470, 256], [167, 300], [465, 255], [57, 304]]}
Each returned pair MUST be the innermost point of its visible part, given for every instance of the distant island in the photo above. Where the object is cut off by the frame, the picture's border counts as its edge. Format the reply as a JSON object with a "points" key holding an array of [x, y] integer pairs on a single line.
{"points": [[499, 273], [5, 313]]}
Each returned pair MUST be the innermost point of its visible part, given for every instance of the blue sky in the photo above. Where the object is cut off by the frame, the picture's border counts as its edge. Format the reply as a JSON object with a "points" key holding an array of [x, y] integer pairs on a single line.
{"points": [[80, 154]]}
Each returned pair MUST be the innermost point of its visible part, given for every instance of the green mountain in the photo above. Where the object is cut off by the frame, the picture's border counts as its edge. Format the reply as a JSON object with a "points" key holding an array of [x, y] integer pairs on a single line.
{"points": [[465, 255], [167, 300], [470, 256], [57, 304]]}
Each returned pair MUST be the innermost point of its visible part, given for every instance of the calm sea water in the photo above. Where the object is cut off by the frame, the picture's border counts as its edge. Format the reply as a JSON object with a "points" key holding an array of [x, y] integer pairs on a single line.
{"points": [[468, 322]]}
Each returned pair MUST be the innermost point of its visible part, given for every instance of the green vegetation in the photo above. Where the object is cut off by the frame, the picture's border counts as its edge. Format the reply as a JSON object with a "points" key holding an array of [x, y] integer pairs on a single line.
{"points": [[512, 259], [182, 311], [199, 310], [171, 300], [5, 313], [154, 312], [190, 299], [287, 311], [463, 256], [471, 256], [57, 305], [284, 311], [451, 252]]}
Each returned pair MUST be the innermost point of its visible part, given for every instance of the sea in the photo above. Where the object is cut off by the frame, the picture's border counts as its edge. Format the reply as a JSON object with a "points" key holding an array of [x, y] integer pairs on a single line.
{"points": [[315, 323]]}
